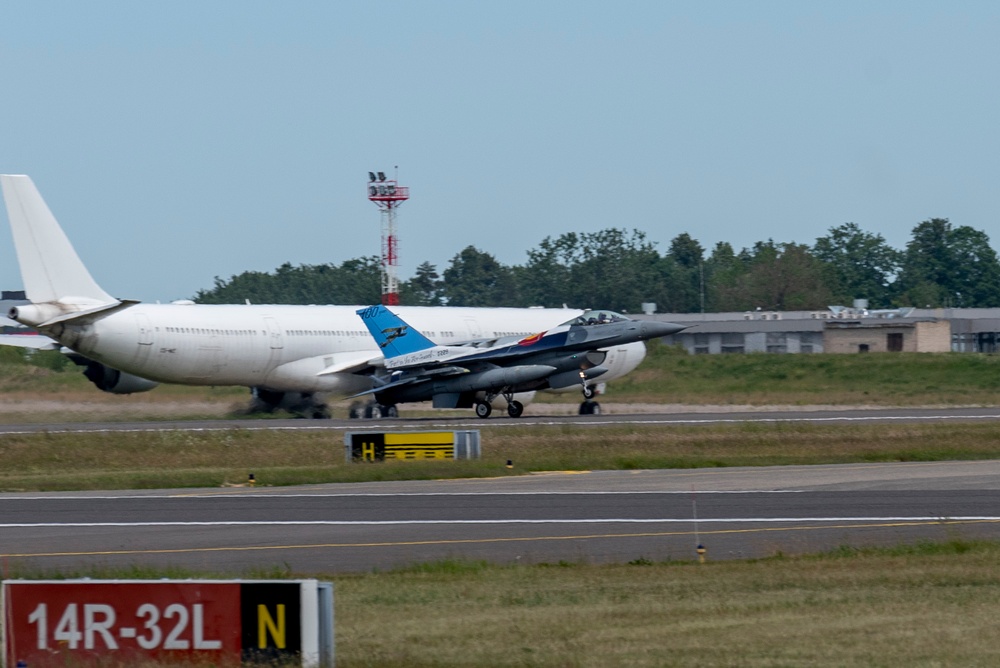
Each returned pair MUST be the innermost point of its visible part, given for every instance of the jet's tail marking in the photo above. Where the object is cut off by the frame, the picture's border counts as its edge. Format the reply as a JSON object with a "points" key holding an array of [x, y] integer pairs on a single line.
{"points": [[392, 335], [50, 268]]}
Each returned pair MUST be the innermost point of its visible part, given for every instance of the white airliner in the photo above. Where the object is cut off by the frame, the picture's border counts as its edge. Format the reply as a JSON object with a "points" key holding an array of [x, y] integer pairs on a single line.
{"points": [[290, 356]]}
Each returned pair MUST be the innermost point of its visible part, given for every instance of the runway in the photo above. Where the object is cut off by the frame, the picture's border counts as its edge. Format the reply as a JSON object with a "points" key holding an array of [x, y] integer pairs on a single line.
{"points": [[590, 517], [839, 416]]}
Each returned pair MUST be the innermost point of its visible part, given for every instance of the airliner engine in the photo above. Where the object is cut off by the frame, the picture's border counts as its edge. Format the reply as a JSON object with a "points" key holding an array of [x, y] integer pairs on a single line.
{"points": [[113, 380]]}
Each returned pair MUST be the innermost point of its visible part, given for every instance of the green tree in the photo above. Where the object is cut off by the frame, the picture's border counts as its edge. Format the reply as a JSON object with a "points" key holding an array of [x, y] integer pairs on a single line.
{"points": [[355, 281], [547, 279], [948, 266], [613, 269], [723, 269], [683, 276], [475, 278], [424, 289], [773, 276], [858, 265], [616, 270]]}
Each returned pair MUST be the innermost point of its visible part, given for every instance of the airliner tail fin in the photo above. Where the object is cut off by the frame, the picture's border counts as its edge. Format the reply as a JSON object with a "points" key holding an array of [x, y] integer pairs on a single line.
{"points": [[50, 268]]}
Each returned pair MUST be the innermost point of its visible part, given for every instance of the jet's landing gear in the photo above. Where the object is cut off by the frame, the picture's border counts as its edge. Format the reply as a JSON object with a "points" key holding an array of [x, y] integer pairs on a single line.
{"points": [[484, 408], [589, 407], [372, 411]]}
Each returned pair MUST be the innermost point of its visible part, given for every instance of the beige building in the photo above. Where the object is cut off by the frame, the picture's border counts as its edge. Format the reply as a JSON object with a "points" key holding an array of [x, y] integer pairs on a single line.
{"points": [[917, 336]]}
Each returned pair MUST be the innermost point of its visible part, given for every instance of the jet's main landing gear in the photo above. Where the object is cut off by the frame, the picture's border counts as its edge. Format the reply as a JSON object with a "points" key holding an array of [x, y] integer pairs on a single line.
{"points": [[485, 407]]}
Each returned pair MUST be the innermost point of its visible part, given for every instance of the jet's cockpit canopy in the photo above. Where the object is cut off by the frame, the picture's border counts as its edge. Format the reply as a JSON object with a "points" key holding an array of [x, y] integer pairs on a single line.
{"points": [[596, 318]]}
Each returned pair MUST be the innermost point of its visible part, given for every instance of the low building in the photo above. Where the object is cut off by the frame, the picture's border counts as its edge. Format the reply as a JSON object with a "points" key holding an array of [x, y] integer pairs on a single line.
{"points": [[837, 330], [918, 336]]}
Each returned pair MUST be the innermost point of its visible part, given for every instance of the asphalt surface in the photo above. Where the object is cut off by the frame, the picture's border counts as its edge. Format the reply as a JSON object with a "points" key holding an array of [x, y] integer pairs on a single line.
{"points": [[593, 517], [826, 416]]}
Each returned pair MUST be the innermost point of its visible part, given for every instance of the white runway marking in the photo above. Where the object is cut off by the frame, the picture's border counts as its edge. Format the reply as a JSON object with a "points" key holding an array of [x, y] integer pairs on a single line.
{"points": [[359, 523], [510, 423], [236, 494]]}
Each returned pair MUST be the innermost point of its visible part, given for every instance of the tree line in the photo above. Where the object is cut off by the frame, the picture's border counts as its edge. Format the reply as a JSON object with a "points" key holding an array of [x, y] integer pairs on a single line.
{"points": [[941, 266]]}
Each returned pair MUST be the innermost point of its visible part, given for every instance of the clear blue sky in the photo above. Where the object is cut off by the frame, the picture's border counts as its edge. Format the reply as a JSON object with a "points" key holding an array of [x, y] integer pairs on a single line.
{"points": [[177, 141]]}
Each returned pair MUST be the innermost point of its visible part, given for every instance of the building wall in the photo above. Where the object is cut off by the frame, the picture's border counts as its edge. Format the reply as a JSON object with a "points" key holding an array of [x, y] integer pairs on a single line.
{"points": [[713, 343], [923, 337], [934, 337]]}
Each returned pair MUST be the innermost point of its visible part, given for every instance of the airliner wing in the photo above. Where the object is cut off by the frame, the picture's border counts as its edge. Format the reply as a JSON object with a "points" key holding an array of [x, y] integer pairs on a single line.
{"points": [[34, 341], [362, 361]]}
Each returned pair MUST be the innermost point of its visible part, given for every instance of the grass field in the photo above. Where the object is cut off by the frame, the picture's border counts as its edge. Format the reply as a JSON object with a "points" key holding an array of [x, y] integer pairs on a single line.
{"points": [[667, 376], [924, 605], [166, 459]]}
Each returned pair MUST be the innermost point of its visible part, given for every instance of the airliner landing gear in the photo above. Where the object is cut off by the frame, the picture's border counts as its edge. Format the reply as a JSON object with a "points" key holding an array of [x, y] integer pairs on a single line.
{"points": [[304, 405], [372, 411]]}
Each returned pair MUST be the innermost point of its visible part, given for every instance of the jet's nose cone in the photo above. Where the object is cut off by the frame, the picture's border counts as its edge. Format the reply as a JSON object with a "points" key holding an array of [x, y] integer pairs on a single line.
{"points": [[651, 329]]}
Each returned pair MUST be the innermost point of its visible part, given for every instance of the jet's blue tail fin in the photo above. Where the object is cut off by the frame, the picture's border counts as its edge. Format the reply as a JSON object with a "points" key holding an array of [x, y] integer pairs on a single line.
{"points": [[391, 333]]}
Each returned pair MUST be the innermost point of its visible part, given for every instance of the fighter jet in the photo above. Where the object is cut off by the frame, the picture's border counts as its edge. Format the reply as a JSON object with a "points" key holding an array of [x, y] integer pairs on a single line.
{"points": [[572, 353]]}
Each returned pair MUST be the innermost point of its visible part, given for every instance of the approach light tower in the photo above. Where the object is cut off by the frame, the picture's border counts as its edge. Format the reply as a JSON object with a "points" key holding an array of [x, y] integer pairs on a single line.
{"points": [[388, 195]]}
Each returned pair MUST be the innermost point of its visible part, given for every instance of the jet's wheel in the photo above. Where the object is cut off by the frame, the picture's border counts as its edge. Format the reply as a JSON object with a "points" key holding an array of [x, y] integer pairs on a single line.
{"points": [[515, 408], [588, 392], [483, 409]]}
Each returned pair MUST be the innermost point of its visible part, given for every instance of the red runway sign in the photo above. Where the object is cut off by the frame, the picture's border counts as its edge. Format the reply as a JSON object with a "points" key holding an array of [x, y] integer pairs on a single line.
{"points": [[223, 623]]}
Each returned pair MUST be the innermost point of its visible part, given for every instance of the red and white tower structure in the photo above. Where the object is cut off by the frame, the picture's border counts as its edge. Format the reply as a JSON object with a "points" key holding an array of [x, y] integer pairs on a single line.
{"points": [[388, 195]]}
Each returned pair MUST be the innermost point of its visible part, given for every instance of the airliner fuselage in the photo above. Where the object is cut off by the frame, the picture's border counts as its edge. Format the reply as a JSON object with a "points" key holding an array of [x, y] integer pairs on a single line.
{"points": [[278, 347]]}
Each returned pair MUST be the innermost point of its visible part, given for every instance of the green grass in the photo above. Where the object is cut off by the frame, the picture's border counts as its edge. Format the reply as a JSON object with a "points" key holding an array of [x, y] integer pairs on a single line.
{"points": [[670, 375], [928, 604], [50, 461]]}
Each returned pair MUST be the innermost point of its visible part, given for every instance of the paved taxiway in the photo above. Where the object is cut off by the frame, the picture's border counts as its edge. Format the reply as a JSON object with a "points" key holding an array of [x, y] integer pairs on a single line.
{"points": [[593, 517]]}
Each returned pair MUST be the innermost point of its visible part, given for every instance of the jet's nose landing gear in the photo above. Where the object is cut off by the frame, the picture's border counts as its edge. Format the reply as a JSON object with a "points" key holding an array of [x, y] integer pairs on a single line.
{"points": [[589, 407]]}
